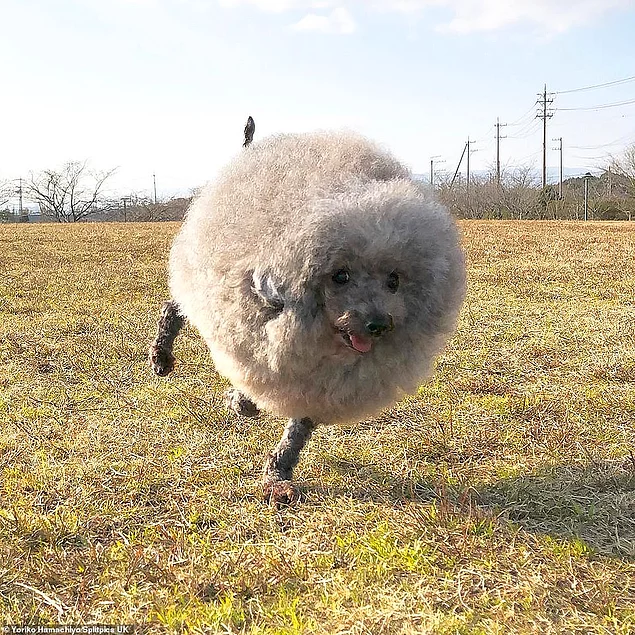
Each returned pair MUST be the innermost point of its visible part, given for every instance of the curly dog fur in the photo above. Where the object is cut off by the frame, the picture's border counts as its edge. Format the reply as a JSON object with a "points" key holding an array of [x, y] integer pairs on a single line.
{"points": [[324, 280]]}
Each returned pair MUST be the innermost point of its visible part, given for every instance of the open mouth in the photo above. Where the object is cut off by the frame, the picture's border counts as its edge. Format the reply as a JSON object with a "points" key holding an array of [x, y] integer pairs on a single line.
{"points": [[359, 343]]}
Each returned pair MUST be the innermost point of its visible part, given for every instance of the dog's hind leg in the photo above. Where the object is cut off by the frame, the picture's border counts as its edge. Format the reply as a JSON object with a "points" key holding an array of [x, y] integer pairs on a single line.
{"points": [[239, 403], [160, 354], [278, 470]]}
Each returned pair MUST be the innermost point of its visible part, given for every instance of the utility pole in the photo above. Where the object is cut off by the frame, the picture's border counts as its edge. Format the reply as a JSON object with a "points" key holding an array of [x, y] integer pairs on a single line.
{"points": [[587, 176], [560, 185], [432, 161], [458, 167], [559, 148], [468, 150], [610, 183], [154, 178], [498, 151], [20, 194], [544, 102], [125, 200], [467, 182]]}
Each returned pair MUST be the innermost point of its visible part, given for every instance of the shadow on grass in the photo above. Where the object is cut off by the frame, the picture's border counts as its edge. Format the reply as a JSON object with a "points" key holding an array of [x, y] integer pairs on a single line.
{"points": [[594, 503]]}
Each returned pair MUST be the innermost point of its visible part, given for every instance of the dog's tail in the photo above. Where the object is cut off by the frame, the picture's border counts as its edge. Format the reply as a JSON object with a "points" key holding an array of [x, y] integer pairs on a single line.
{"points": [[250, 129]]}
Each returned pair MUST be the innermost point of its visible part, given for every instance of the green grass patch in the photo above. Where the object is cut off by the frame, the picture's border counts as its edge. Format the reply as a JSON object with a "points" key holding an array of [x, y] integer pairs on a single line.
{"points": [[499, 499]]}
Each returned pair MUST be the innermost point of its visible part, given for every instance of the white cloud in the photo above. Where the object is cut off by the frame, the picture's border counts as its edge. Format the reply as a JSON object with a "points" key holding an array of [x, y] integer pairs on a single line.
{"points": [[339, 21], [278, 6], [465, 16], [550, 15]]}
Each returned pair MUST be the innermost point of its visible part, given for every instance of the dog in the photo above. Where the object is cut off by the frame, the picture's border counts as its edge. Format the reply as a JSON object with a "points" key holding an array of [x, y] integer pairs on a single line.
{"points": [[323, 277]]}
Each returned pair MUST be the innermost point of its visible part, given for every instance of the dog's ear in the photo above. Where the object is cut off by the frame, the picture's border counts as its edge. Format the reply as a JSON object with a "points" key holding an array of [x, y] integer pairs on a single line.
{"points": [[263, 286], [314, 298]]}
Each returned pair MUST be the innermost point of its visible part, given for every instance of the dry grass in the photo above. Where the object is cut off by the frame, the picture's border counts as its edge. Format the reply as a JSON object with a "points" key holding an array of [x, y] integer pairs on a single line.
{"points": [[501, 499]]}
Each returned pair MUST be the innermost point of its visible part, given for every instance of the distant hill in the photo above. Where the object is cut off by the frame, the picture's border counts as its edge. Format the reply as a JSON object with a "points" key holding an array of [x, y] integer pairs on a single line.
{"points": [[604, 183]]}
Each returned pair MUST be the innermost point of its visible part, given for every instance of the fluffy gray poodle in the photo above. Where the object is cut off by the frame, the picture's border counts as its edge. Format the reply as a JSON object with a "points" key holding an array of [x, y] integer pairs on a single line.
{"points": [[324, 280]]}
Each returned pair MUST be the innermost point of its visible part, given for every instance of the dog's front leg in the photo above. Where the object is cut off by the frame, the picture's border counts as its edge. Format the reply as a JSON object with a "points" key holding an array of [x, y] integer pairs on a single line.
{"points": [[160, 354], [278, 470]]}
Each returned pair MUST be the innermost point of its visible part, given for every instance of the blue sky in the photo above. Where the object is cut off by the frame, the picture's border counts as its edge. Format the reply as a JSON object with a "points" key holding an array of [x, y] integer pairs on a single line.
{"points": [[165, 86]]}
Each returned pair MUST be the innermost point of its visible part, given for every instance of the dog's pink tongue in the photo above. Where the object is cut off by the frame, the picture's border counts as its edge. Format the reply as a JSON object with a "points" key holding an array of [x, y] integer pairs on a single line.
{"points": [[361, 344]]}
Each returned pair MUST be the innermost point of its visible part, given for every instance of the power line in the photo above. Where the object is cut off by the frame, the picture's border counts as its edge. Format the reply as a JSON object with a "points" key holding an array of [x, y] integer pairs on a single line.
{"points": [[527, 126], [594, 86], [529, 157], [620, 140], [526, 132], [601, 106], [598, 147], [526, 129], [597, 157], [520, 119], [485, 136]]}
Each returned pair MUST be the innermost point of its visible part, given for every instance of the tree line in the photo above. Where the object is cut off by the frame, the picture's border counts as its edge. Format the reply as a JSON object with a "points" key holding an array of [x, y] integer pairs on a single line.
{"points": [[76, 193], [519, 196]]}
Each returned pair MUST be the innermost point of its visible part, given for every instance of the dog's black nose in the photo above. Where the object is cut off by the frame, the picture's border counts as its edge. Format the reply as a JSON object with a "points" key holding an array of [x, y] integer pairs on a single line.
{"points": [[379, 325]]}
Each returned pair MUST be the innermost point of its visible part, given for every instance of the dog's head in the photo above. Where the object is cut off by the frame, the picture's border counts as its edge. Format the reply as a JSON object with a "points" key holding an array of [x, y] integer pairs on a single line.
{"points": [[377, 269]]}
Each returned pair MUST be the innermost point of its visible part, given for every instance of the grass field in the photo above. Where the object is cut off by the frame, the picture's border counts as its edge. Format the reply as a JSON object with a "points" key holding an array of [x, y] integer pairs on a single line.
{"points": [[500, 499]]}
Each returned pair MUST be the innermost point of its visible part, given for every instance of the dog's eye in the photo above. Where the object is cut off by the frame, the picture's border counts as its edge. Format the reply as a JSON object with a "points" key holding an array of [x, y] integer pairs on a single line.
{"points": [[393, 281], [341, 276]]}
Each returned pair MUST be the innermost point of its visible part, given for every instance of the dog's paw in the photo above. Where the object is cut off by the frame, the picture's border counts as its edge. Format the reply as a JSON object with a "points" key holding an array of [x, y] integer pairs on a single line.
{"points": [[161, 361], [280, 493], [238, 403]]}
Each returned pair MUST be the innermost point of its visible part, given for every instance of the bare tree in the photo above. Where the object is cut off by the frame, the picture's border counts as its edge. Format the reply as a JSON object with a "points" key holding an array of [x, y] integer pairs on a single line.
{"points": [[515, 198], [70, 194], [168, 209], [7, 190], [624, 169]]}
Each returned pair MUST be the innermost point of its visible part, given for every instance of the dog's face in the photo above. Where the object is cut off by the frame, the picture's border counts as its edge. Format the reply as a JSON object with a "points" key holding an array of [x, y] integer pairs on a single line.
{"points": [[370, 282], [364, 305]]}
